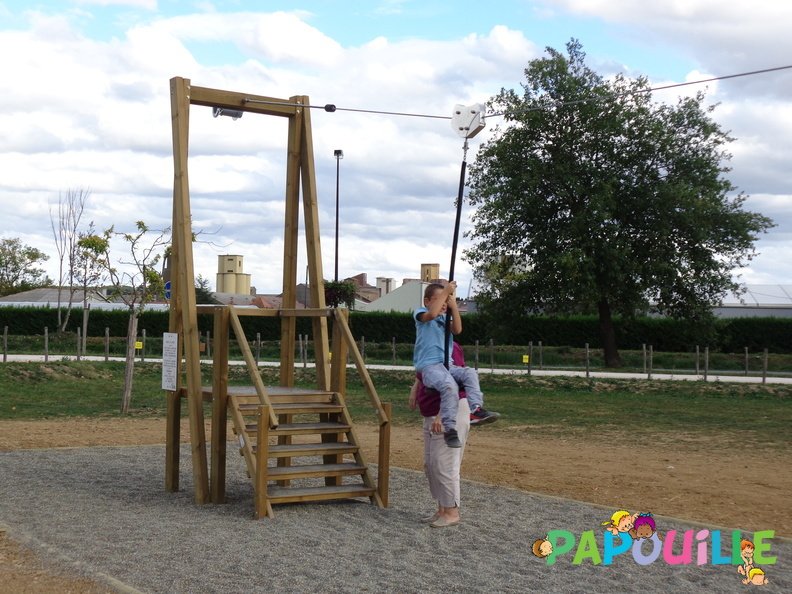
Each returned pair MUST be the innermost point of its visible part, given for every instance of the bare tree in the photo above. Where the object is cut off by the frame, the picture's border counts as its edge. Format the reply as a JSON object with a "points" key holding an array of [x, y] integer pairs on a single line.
{"points": [[137, 284], [71, 206]]}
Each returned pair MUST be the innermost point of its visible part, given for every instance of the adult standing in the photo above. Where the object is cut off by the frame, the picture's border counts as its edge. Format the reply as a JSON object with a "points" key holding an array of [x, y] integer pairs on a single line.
{"points": [[442, 464]]}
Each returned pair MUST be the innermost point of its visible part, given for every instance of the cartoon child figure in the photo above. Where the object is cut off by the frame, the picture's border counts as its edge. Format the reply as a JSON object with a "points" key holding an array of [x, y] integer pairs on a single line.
{"points": [[644, 527], [756, 577], [620, 521], [542, 547], [746, 553]]}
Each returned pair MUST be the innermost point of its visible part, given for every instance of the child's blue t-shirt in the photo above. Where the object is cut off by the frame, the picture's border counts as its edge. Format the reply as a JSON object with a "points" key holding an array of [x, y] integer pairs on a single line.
{"points": [[429, 336]]}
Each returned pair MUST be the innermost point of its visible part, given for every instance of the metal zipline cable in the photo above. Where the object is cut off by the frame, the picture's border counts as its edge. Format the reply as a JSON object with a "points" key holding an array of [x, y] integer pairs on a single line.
{"points": [[331, 108]]}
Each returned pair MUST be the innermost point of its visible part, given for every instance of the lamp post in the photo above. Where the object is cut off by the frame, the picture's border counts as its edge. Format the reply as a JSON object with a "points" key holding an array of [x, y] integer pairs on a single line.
{"points": [[338, 154]]}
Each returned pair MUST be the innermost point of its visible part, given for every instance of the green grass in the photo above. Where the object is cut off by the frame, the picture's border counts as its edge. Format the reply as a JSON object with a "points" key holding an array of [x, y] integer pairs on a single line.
{"points": [[638, 410]]}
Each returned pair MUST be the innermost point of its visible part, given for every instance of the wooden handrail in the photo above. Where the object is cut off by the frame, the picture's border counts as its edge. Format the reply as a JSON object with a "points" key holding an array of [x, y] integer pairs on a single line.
{"points": [[252, 367], [340, 321]]}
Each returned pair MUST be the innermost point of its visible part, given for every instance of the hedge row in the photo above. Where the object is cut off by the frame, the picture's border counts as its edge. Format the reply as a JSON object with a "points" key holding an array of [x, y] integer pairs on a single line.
{"points": [[667, 335]]}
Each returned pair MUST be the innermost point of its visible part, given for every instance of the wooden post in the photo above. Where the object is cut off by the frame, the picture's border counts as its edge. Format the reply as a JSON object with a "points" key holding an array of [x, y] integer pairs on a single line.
{"points": [[706, 363], [107, 343], [651, 361], [698, 357], [383, 463], [530, 356], [587, 359], [263, 507], [46, 344], [643, 352], [764, 366], [258, 347], [182, 286], [219, 405]]}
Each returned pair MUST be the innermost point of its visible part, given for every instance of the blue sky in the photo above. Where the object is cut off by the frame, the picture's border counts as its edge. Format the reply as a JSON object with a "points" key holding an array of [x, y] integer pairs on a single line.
{"points": [[85, 104]]}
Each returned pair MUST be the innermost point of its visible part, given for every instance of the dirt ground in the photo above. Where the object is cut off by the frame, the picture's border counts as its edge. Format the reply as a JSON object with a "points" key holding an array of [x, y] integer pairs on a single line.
{"points": [[704, 480]]}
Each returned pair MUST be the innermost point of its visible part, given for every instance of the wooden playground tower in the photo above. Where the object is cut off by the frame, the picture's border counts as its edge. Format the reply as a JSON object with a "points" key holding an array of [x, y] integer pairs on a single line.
{"points": [[305, 425]]}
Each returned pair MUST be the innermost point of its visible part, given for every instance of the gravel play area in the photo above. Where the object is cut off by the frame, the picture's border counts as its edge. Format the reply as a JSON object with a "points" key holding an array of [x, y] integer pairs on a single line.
{"points": [[104, 512]]}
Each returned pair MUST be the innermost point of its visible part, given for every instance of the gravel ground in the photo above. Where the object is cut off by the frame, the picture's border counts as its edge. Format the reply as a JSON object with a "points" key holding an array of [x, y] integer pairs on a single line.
{"points": [[104, 512]]}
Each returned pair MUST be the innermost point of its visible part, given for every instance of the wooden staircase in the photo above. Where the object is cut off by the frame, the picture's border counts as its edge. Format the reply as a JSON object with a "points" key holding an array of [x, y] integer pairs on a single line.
{"points": [[312, 454]]}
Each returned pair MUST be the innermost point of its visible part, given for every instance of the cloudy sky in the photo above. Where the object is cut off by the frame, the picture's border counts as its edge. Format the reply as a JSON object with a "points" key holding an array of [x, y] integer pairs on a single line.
{"points": [[85, 105]]}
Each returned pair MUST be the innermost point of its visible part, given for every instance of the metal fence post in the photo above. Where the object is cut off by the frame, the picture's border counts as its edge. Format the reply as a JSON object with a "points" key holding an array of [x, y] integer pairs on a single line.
{"points": [[5, 343], [107, 343], [541, 362], [79, 342], [46, 344], [651, 357]]}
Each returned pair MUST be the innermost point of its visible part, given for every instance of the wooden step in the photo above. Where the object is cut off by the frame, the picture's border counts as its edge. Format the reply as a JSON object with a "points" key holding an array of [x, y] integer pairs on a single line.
{"points": [[301, 428], [292, 494], [313, 470], [306, 408], [310, 449]]}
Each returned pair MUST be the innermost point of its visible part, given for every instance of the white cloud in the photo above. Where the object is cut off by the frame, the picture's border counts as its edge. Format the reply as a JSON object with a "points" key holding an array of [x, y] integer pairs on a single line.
{"points": [[86, 113]]}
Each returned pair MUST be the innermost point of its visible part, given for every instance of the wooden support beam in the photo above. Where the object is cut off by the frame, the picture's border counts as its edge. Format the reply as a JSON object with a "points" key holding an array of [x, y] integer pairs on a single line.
{"points": [[383, 461], [263, 506], [242, 101], [219, 404], [182, 231], [290, 236]]}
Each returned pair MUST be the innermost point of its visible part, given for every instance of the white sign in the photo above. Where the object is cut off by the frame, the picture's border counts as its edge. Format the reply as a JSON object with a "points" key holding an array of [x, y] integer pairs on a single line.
{"points": [[170, 360]]}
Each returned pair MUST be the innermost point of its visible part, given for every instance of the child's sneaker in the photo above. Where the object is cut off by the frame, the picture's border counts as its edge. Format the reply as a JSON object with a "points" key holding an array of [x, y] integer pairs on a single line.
{"points": [[479, 416], [452, 439]]}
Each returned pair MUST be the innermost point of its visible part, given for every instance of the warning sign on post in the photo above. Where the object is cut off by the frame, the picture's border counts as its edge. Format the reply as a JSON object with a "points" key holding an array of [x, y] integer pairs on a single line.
{"points": [[170, 360]]}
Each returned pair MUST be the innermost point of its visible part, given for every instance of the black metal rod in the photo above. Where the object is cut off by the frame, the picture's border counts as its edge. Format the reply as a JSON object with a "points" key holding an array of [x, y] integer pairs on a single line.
{"points": [[454, 243], [338, 168]]}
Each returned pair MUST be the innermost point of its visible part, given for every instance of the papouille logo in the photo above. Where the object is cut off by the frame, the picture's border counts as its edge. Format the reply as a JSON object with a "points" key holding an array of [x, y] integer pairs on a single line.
{"points": [[637, 535]]}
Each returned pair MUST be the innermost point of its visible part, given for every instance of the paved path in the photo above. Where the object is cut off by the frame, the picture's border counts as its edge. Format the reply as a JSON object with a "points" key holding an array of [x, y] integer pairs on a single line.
{"points": [[710, 377]]}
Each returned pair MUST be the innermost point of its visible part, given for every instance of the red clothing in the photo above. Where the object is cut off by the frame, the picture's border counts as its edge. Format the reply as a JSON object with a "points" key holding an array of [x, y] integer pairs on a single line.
{"points": [[428, 399]]}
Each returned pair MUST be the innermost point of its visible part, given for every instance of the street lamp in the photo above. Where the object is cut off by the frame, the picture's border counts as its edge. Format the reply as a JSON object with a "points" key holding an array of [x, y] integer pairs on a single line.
{"points": [[338, 154]]}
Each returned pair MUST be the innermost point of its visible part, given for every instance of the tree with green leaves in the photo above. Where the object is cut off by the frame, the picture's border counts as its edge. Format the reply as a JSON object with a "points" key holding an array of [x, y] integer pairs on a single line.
{"points": [[339, 293], [203, 294], [136, 282], [19, 267], [593, 198]]}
